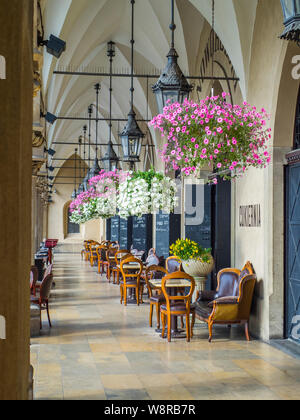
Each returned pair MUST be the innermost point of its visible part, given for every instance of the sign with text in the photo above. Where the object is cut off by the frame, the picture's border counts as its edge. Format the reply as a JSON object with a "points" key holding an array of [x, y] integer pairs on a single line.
{"points": [[250, 216]]}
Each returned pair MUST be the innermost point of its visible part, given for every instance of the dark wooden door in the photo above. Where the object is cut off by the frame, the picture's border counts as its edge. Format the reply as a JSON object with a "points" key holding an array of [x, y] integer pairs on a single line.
{"points": [[73, 227], [293, 252]]}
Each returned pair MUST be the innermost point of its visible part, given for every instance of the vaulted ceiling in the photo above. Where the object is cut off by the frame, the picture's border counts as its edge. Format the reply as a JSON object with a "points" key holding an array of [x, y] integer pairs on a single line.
{"points": [[87, 26]]}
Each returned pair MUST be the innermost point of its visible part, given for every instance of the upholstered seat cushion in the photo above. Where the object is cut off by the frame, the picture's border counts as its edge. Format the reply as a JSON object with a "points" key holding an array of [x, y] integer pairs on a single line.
{"points": [[175, 307], [158, 299], [129, 282], [202, 309]]}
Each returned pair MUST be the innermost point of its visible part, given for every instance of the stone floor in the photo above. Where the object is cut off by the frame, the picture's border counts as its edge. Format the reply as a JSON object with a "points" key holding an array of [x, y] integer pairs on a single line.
{"points": [[98, 349]]}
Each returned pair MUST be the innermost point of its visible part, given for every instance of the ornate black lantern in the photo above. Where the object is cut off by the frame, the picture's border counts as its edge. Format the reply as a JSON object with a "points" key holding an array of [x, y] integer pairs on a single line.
{"points": [[110, 160], [291, 12], [172, 86], [132, 136]]}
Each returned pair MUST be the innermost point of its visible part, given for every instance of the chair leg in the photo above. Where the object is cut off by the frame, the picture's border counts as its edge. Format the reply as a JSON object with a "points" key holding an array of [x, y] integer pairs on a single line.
{"points": [[122, 292], [163, 321], [169, 327], [188, 334], [151, 315], [210, 329], [193, 324], [137, 292], [247, 331], [125, 295], [182, 323], [41, 324], [47, 307], [157, 315]]}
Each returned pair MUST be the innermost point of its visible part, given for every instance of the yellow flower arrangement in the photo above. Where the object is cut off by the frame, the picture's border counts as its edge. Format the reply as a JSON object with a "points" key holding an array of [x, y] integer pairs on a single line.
{"points": [[185, 249]]}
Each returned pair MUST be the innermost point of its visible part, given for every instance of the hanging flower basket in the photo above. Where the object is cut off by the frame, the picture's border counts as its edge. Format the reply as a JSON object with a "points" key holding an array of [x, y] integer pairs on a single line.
{"points": [[227, 139], [101, 199], [146, 193]]}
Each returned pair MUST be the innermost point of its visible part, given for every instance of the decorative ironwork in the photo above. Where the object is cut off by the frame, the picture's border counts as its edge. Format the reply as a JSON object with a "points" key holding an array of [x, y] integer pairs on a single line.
{"points": [[291, 12]]}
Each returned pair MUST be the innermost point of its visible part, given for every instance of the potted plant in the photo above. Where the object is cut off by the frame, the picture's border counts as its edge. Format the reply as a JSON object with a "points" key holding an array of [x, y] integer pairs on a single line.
{"points": [[196, 260], [227, 138]]}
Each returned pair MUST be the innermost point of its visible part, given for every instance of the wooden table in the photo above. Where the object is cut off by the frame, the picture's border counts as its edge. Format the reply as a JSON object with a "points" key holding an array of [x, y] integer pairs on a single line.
{"points": [[173, 285]]}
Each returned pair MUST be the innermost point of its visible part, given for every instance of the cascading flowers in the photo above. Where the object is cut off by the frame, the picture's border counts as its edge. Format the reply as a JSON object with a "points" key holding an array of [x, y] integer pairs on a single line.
{"points": [[228, 139], [100, 201], [145, 193]]}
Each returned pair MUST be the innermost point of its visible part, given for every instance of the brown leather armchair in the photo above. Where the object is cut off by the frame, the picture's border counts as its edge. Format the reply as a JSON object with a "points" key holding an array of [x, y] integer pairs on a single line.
{"points": [[230, 303]]}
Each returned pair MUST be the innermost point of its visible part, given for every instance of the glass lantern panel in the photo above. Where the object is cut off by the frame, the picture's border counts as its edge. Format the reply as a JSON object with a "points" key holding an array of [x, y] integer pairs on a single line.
{"points": [[159, 101], [124, 140], [288, 8], [170, 95]]}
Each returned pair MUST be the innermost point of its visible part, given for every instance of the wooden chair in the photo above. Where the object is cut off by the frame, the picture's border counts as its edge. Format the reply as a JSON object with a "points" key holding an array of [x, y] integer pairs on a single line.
{"points": [[173, 264], [179, 305], [43, 299], [155, 293], [47, 272], [131, 279], [102, 262], [93, 252], [85, 251], [111, 264], [119, 256], [231, 303]]}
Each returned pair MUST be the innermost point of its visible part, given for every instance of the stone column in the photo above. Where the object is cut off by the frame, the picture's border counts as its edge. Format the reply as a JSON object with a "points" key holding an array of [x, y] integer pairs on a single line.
{"points": [[16, 22]]}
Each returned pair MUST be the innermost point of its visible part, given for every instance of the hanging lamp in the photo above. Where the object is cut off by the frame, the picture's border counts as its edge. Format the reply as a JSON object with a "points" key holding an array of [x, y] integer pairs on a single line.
{"points": [[172, 85], [110, 160], [74, 195], [132, 136]]}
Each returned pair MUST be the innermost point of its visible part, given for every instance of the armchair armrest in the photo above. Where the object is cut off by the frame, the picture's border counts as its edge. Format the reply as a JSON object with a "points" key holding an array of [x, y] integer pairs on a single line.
{"points": [[227, 300]]}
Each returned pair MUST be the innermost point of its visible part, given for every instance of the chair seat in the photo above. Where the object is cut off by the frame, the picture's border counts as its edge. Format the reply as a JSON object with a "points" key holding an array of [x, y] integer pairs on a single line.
{"points": [[129, 282], [158, 299], [202, 309], [177, 307]]}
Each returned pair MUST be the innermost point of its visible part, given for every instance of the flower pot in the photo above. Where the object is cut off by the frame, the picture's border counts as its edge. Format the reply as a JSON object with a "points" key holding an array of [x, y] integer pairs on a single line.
{"points": [[199, 270]]}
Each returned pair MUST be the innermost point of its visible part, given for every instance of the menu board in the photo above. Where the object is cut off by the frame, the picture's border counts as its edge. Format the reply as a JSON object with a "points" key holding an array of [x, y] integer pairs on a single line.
{"points": [[125, 233], [115, 229], [142, 233], [167, 232]]}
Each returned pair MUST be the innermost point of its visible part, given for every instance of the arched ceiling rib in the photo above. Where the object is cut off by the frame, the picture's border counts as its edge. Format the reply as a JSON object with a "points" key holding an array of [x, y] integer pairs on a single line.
{"points": [[87, 26]]}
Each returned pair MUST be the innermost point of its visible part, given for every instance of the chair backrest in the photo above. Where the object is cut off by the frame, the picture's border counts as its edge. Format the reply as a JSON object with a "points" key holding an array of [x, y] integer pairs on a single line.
{"points": [[119, 255], [114, 244], [152, 251], [187, 288], [229, 280], [35, 275], [111, 252], [154, 272], [46, 287], [48, 271], [173, 264], [152, 260], [246, 291], [134, 273]]}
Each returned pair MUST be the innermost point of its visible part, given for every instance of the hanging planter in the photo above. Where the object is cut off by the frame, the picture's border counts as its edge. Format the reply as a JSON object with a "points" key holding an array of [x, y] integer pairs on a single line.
{"points": [[146, 193], [227, 139], [106, 186], [100, 201], [84, 207]]}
